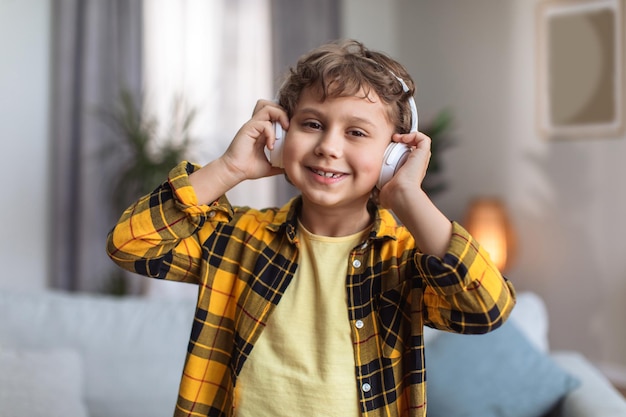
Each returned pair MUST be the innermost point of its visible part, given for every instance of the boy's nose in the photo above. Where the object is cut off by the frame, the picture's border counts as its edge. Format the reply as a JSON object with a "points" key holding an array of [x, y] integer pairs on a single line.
{"points": [[330, 144]]}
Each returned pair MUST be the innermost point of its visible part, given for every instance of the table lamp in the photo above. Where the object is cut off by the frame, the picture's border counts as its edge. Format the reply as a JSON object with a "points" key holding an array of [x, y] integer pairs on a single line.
{"points": [[488, 222]]}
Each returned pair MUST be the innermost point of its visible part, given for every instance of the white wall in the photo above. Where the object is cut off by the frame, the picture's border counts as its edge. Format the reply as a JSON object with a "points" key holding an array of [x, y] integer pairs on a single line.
{"points": [[566, 198], [24, 81], [372, 22]]}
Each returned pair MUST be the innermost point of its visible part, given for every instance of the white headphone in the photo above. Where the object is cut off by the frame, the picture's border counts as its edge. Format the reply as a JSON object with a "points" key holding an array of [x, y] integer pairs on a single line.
{"points": [[395, 154], [275, 156]]}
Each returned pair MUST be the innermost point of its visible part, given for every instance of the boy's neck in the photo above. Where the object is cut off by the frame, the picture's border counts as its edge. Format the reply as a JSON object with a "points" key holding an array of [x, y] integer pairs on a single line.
{"points": [[334, 222]]}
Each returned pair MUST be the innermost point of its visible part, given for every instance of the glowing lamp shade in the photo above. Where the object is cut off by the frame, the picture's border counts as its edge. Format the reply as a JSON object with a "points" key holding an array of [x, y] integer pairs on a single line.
{"points": [[487, 221]]}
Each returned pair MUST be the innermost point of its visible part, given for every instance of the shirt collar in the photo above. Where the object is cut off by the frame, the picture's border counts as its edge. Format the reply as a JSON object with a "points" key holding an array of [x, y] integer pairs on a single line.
{"points": [[384, 227]]}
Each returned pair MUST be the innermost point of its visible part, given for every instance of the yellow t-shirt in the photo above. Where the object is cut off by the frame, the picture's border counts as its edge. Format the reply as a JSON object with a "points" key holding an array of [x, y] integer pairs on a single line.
{"points": [[303, 363]]}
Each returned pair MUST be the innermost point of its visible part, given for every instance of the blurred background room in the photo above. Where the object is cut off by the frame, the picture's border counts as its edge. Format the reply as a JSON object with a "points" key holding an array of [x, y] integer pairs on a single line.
{"points": [[75, 74]]}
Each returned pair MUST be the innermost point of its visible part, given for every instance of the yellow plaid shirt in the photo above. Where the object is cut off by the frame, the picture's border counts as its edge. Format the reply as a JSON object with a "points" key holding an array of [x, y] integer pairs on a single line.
{"points": [[243, 259]]}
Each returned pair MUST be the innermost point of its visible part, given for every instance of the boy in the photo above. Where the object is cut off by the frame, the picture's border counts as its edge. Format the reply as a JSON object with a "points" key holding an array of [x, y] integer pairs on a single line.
{"points": [[316, 308]]}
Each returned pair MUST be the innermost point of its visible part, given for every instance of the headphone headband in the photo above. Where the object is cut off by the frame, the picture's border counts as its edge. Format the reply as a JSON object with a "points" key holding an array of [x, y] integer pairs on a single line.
{"points": [[414, 117]]}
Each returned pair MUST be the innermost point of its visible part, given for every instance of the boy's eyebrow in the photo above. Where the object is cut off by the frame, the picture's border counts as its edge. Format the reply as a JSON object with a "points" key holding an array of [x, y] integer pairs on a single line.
{"points": [[351, 119]]}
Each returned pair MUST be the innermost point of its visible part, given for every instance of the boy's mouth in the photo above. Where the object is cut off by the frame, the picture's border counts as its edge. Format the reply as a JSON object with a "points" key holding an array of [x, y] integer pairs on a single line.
{"points": [[326, 174]]}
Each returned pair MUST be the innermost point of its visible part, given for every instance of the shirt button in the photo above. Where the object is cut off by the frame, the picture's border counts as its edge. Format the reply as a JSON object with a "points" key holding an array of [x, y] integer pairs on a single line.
{"points": [[356, 263], [363, 246], [359, 324], [211, 214], [366, 387]]}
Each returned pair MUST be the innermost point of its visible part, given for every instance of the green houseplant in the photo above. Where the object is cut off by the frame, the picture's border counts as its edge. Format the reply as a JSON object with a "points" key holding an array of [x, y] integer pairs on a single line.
{"points": [[146, 157], [438, 131]]}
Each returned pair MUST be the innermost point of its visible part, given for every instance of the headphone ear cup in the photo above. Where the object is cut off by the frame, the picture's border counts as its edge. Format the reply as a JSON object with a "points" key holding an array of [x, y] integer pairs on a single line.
{"points": [[395, 156], [275, 156]]}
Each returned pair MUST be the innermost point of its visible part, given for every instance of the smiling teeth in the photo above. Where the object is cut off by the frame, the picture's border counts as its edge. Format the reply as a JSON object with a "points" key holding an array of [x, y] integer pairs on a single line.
{"points": [[327, 174]]}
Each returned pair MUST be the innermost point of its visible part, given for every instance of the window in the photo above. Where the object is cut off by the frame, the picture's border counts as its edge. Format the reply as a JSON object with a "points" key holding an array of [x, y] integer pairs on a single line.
{"points": [[216, 57]]}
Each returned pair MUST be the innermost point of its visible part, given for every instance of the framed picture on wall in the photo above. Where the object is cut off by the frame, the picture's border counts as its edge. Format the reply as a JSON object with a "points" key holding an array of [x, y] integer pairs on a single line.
{"points": [[580, 68]]}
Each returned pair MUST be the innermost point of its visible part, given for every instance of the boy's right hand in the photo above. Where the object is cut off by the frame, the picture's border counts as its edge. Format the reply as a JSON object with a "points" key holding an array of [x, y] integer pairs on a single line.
{"points": [[245, 156]]}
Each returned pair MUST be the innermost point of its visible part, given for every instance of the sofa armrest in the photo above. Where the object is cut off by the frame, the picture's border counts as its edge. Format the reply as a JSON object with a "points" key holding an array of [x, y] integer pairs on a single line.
{"points": [[594, 397]]}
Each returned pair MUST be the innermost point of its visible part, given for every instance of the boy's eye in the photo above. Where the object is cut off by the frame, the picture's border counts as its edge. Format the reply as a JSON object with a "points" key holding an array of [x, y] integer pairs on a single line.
{"points": [[313, 125], [357, 133]]}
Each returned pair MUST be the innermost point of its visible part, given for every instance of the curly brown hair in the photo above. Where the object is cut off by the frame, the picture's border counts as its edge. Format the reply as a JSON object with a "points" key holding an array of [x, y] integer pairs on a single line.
{"points": [[348, 68]]}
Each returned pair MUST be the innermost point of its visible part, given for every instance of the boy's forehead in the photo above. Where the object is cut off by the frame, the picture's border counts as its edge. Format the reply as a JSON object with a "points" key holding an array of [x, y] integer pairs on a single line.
{"points": [[316, 94], [313, 95], [334, 90]]}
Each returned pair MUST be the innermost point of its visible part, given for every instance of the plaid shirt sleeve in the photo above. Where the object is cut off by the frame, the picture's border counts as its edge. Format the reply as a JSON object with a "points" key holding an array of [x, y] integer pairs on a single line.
{"points": [[159, 235], [465, 292]]}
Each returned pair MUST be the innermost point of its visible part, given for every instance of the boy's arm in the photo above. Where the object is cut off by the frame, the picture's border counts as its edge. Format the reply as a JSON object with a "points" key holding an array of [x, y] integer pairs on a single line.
{"points": [[430, 228], [159, 235], [465, 292]]}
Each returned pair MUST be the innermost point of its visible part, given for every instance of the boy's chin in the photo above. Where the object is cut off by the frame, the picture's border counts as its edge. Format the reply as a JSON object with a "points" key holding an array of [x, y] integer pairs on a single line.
{"points": [[330, 200]]}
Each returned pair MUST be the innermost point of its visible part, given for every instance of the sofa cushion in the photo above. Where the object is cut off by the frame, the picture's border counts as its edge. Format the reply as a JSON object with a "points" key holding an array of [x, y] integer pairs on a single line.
{"points": [[530, 316], [41, 383], [492, 375], [133, 349]]}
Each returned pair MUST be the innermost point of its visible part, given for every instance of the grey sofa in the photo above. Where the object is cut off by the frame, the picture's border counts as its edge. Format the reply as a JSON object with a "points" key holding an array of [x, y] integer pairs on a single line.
{"points": [[86, 355], [595, 396]]}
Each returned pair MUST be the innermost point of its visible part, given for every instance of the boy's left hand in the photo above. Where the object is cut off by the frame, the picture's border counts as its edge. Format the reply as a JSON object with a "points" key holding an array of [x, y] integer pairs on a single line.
{"points": [[404, 195], [409, 176]]}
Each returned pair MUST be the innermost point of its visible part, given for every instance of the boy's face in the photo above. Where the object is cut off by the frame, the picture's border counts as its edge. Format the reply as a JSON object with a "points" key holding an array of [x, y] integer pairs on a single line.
{"points": [[334, 149]]}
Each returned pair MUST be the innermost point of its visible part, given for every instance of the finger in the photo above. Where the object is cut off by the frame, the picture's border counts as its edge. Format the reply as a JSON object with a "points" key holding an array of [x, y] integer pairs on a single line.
{"points": [[279, 115], [413, 139], [266, 134], [407, 138], [260, 104], [275, 171], [423, 142], [269, 135], [266, 110]]}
